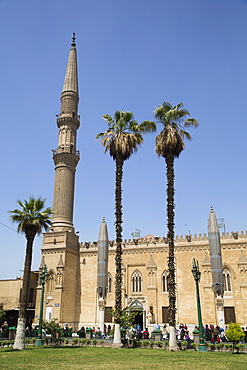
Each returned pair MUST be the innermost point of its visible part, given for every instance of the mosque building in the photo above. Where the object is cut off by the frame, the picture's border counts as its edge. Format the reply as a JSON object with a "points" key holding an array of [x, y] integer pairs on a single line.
{"points": [[71, 289]]}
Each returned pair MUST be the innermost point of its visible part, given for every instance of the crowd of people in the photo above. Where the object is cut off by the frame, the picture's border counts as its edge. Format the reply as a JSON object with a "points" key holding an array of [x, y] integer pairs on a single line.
{"points": [[212, 333]]}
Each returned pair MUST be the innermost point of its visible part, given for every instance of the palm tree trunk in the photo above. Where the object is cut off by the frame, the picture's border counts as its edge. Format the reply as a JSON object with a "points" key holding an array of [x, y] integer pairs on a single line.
{"points": [[171, 260], [118, 257], [21, 326]]}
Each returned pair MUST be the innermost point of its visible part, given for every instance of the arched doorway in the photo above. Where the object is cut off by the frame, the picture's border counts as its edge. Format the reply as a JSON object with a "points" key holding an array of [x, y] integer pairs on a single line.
{"points": [[137, 307]]}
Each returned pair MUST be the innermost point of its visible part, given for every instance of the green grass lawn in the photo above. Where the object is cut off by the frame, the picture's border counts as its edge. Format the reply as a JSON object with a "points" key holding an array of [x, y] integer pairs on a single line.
{"points": [[108, 358]]}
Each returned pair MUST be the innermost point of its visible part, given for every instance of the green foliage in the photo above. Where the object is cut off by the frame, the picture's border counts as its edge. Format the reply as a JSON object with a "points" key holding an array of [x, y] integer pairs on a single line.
{"points": [[151, 343], [67, 341], [239, 347], [145, 343], [170, 140], [219, 346], [51, 327], [88, 341], [159, 344], [32, 217], [228, 346], [2, 315], [209, 345], [126, 317], [234, 333], [33, 341], [102, 342], [194, 345], [94, 341], [75, 341], [27, 340], [184, 344], [124, 134]]}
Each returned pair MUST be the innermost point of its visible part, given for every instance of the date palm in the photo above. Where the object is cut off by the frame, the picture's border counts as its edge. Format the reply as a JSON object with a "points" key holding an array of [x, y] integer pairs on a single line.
{"points": [[122, 138], [31, 218], [169, 145]]}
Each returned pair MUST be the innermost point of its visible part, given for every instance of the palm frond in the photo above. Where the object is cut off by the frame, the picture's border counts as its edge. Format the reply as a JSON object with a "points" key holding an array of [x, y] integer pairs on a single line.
{"points": [[191, 122], [170, 140], [124, 134], [32, 216], [108, 119]]}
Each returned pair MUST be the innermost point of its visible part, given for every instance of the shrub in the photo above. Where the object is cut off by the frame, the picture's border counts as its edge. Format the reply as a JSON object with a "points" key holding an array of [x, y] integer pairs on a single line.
{"points": [[75, 341], [66, 341], [88, 341], [239, 347], [102, 342], [27, 340], [210, 345], [194, 345], [151, 343], [219, 346], [159, 344], [94, 342], [234, 333], [228, 346], [145, 343], [184, 344]]}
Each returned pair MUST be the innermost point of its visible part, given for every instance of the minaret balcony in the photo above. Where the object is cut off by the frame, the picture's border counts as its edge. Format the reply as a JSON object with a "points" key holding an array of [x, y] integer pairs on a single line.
{"points": [[66, 149], [68, 119]]}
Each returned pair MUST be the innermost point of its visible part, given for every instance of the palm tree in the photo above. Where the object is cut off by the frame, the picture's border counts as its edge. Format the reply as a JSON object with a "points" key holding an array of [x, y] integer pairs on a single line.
{"points": [[121, 139], [169, 145], [31, 219]]}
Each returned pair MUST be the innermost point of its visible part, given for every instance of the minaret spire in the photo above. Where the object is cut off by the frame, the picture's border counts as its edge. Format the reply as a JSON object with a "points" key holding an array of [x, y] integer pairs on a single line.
{"points": [[66, 156]]}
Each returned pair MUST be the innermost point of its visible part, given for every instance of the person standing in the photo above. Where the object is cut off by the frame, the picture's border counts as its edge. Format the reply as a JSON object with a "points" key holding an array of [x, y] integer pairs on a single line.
{"points": [[5, 329]]}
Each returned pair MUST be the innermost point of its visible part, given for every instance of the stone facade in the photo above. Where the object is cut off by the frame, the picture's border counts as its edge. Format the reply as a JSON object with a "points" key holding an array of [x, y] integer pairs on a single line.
{"points": [[10, 291], [145, 280]]}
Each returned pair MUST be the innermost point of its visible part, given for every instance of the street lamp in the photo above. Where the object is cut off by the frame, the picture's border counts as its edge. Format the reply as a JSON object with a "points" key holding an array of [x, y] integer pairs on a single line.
{"points": [[43, 277], [197, 275]]}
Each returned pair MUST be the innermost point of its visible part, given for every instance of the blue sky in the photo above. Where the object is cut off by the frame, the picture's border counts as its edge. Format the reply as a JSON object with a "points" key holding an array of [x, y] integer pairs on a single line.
{"points": [[132, 55]]}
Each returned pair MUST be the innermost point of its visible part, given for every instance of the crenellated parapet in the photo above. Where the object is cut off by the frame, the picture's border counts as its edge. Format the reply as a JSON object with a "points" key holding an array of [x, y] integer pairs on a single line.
{"points": [[182, 242]]}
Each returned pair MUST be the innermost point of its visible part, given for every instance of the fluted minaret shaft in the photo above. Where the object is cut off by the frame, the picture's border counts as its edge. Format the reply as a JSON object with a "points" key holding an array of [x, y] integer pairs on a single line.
{"points": [[66, 156]]}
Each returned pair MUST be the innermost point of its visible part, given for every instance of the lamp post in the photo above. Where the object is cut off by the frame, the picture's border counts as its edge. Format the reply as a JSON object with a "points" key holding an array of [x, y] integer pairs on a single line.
{"points": [[43, 277], [197, 275]]}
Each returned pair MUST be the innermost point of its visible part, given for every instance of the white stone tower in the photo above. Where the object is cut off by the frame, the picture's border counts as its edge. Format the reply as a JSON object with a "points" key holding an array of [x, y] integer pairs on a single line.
{"points": [[60, 250]]}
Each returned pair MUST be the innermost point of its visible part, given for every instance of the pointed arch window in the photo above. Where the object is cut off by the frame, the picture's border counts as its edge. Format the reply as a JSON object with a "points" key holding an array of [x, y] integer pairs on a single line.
{"points": [[109, 283], [51, 281], [164, 281], [136, 281], [227, 280]]}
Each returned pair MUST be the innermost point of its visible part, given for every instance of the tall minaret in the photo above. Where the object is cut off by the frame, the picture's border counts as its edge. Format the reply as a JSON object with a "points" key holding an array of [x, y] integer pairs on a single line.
{"points": [[60, 249], [66, 156]]}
